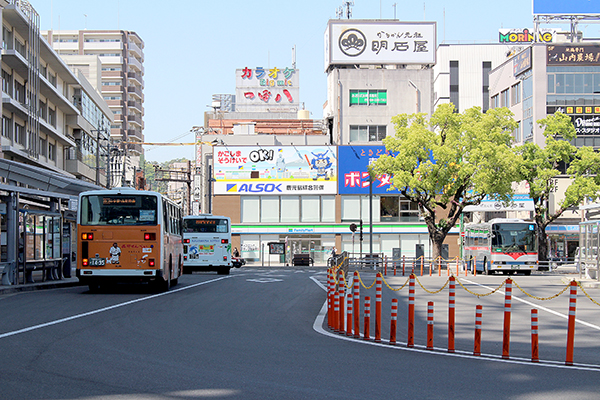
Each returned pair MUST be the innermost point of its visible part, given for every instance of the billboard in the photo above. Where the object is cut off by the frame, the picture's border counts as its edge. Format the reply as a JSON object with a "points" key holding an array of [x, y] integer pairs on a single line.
{"points": [[267, 89], [379, 42], [275, 170], [522, 62], [573, 54], [586, 119], [561, 7], [353, 172]]}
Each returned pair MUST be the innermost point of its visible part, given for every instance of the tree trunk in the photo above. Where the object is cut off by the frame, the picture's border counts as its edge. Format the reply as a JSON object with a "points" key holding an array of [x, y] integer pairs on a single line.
{"points": [[540, 230]]}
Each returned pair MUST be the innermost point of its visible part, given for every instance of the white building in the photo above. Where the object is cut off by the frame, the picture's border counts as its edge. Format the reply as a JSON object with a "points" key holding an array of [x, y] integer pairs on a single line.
{"points": [[122, 85]]}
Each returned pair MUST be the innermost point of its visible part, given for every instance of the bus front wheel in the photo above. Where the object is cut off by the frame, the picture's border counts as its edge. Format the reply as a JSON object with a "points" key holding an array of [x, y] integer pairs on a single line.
{"points": [[224, 271]]}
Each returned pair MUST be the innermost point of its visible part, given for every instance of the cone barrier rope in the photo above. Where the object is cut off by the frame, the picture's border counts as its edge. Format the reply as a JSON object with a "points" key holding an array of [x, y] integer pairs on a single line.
{"points": [[378, 308], [571, 325], [477, 342], [367, 318], [430, 325], [342, 297], [411, 312], [534, 336], [507, 310], [336, 310], [394, 321], [356, 293], [451, 306], [349, 315]]}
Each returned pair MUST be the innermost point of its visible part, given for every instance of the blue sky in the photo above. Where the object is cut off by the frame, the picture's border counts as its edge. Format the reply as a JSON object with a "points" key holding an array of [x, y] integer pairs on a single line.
{"points": [[193, 47]]}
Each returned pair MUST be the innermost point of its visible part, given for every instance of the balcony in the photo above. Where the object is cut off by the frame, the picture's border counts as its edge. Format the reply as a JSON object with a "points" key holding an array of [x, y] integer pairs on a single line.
{"points": [[136, 119], [135, 104], [135, 63], [136, 50], [134, 149], [137, 76], [135, 91], [135, 135]]}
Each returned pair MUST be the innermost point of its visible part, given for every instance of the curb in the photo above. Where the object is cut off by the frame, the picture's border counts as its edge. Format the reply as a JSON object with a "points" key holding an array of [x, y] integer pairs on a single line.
{"points": [[30, 287]]}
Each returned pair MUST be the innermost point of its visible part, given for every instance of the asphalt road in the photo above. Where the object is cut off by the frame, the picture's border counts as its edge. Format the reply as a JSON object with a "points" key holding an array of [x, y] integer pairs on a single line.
{"points": [[256, 334]]}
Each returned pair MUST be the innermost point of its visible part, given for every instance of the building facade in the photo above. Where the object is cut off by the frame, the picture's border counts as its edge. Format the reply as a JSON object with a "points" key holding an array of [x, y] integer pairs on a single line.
{"points": [[54, 144], [121, 74]]}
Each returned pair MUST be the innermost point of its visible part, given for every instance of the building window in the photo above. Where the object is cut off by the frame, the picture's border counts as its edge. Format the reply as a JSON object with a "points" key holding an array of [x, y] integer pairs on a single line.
{"points": [[43, 147], [52, 116], [20, 134], [486, 68], [367, 133], [311, 211], [504, 98], [494, 102], [515, 94], [327, 208], [517, 133], [19, 92], [7, 127], [454, 84], [368, 97], [290, 206], [52, 151]]}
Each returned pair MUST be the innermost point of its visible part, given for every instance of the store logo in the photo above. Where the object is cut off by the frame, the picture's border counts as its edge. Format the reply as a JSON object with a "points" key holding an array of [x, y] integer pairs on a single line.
{"points": [[232, 187], [352, 42], [260, 188]]}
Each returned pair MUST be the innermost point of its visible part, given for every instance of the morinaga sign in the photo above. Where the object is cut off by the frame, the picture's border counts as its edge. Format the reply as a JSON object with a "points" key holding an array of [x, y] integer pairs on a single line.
{"points": [[379, 42]]}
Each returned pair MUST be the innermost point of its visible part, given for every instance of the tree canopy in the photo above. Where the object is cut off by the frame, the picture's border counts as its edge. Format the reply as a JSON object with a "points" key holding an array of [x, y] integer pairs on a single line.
{"points": [[539, 166], [449, 162]]}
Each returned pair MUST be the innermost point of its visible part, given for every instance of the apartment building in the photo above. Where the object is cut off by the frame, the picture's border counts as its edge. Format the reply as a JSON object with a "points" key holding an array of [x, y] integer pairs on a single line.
{"points": [[121, 54], [54, 144]]}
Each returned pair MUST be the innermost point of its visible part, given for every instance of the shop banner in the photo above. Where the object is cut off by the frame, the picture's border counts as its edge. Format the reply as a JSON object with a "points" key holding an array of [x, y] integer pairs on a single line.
{"points": [[275, 170], [353, 171]]}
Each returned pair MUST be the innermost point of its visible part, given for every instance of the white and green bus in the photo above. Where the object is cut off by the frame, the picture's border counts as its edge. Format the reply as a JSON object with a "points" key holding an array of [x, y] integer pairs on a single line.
{"points": [[206, 243]]}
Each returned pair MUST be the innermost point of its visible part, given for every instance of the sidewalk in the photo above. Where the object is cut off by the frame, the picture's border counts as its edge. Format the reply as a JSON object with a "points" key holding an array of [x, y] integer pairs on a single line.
{"points": [[39, 285]]}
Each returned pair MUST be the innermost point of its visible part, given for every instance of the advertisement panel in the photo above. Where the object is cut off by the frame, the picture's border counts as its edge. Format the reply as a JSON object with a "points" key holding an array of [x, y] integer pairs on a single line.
{"points": [[275, 170], [561, 7], [378, 42], [586, 119], [353, 172], [573, 54], [522, 62], [275, 89]]}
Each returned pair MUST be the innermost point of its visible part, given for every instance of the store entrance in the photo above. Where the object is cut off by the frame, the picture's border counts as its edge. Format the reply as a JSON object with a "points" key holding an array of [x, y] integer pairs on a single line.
{"points": [[304, 245]]}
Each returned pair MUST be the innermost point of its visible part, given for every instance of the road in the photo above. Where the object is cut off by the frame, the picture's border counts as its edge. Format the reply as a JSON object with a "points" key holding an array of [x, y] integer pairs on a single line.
{"points": [[256, 335]]}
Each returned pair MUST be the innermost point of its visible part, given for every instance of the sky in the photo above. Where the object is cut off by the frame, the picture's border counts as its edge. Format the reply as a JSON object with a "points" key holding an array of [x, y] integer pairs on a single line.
{"points": [[193, 47]]}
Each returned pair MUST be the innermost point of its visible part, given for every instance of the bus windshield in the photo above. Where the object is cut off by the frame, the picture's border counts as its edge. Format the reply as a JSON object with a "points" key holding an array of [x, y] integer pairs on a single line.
{"points": [[119, 210], [514, 237], [208, 225]]}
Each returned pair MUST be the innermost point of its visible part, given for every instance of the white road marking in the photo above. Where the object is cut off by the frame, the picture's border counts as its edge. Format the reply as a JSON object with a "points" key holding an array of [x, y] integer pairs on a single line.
{"points": [[100, 310], [320, 320], [565, 316], [264, 280]]}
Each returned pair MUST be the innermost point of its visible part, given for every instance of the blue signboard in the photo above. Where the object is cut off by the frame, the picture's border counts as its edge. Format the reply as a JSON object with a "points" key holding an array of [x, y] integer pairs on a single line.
{"points": [[561, 7], [353, 175]]}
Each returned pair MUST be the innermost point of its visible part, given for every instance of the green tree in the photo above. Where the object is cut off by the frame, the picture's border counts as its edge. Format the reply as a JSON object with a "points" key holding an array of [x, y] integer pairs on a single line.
{"points": [[539, 168], [450, 161]]}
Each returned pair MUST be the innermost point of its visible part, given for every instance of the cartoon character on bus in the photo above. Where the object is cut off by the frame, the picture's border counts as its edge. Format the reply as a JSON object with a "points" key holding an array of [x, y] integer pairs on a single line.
{"points": [[115, 252], [321, 163]]}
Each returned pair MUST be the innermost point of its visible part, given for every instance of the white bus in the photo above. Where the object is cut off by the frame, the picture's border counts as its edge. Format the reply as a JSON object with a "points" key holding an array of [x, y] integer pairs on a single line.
{"points": [[501, 245], [206, 243]]}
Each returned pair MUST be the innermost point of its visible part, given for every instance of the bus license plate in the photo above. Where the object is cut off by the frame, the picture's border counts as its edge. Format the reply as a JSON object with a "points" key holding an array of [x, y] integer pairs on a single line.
{"points": [[515, 267], [97, 262]]}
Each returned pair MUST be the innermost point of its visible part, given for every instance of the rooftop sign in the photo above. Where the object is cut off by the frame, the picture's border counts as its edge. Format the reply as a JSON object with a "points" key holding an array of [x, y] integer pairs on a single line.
{"points": [[379, 42]]}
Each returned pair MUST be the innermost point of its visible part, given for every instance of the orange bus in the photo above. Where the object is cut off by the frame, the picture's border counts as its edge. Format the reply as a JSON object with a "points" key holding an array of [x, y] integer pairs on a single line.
{"points": [[128, 235]]}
